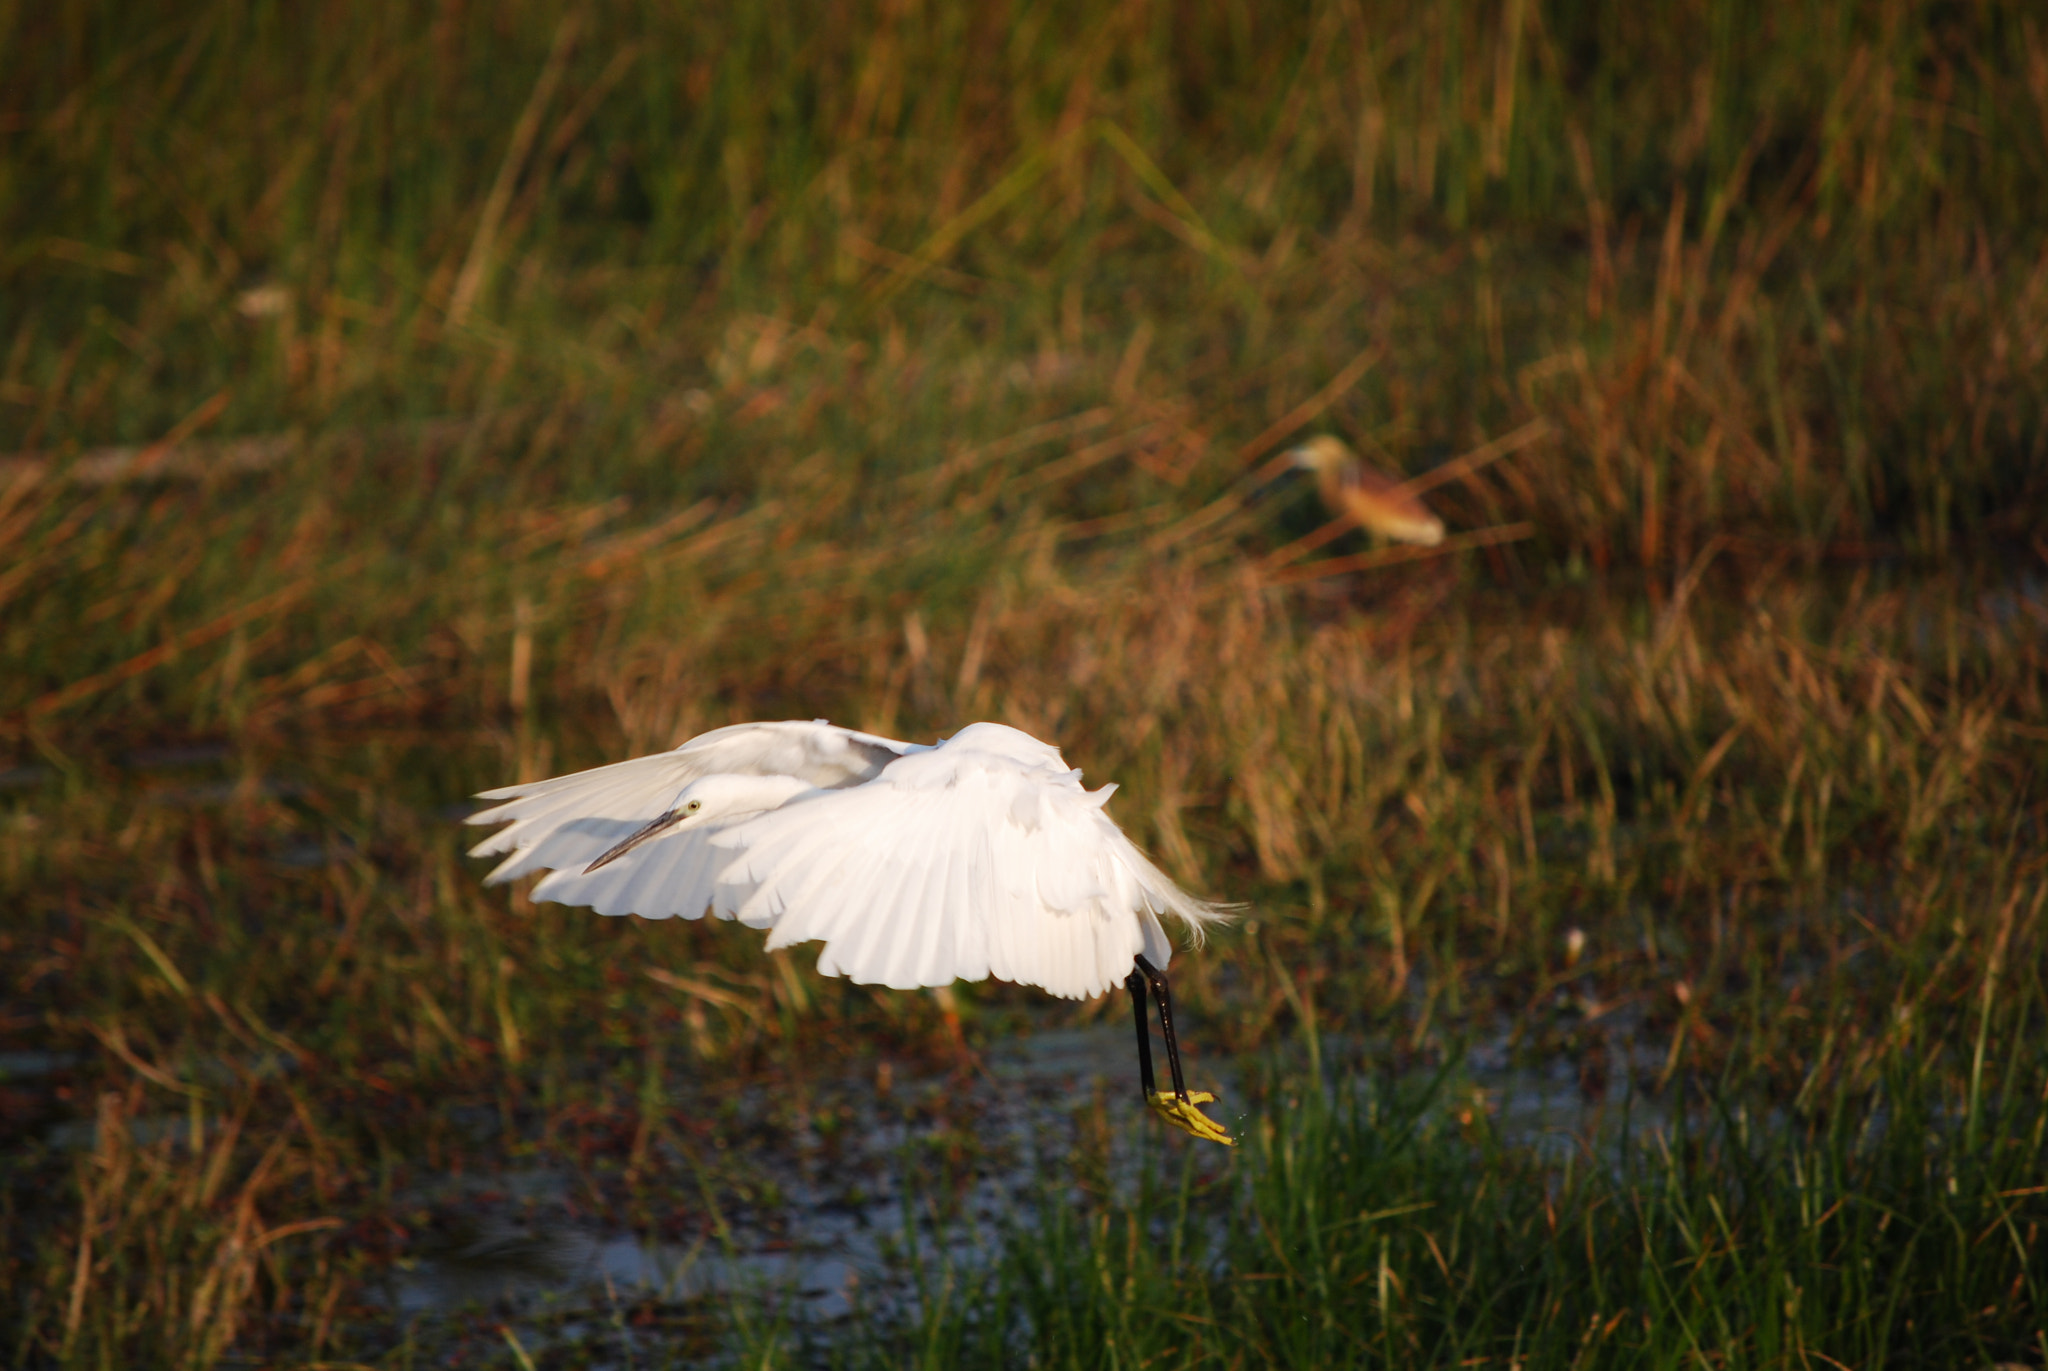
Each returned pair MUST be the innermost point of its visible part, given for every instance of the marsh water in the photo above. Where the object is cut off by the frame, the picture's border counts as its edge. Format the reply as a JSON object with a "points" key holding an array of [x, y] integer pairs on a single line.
{"points": [[873, 1220]]}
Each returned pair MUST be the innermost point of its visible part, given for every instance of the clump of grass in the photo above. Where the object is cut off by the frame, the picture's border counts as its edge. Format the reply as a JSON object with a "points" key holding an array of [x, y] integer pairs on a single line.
{"points": [[1374, 1223], [177, 1247]]}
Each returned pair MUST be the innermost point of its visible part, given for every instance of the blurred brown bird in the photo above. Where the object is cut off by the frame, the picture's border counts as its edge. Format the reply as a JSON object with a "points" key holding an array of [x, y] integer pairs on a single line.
{"points": [[1367, 497]]}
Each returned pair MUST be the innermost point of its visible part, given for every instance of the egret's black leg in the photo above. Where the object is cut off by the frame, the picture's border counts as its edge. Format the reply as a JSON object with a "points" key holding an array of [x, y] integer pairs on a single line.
{"points": [[1135, 983], [1157, 979], [1181, 1108]]}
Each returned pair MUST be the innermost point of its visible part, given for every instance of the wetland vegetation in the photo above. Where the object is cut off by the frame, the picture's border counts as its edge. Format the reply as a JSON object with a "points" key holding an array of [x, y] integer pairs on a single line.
{"points": [[398, 399]]}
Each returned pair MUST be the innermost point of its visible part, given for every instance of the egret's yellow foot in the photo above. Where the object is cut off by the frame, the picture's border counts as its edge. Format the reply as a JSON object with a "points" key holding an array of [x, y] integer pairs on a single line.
{"points": [[1182, 1114]]}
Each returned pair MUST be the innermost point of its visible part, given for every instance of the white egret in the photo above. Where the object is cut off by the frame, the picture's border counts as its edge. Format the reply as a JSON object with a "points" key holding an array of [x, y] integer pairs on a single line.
{"points": [[1369, 498], [914, 865]]}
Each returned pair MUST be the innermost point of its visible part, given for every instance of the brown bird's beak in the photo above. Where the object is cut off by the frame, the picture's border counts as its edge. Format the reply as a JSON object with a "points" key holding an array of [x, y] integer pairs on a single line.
{"points": [[637, 837]]}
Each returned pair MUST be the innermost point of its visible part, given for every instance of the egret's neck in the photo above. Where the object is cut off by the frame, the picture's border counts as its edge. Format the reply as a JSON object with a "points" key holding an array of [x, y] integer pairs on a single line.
{"points": [[730, 796]]}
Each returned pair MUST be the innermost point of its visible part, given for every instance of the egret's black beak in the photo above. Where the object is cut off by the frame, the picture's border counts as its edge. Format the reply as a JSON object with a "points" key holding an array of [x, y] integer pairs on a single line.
{"points": [[639, 836]]}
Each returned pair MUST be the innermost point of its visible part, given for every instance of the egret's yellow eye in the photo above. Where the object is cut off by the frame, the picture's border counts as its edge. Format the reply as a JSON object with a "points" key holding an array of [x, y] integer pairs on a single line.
{"points": [[693, 806]]}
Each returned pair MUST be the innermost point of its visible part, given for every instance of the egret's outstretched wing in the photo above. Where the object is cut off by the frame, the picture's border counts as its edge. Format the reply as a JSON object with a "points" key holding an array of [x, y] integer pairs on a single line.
{"points": [[569, 821], [981, 857], [677, 872], [676, 877]]}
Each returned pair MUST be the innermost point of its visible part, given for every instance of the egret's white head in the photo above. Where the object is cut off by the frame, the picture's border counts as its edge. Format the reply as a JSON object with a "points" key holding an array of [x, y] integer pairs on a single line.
{"points": [[710, 800]]}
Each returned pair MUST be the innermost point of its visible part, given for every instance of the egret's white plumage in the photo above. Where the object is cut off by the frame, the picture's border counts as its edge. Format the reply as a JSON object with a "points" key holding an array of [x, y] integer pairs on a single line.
{"points": [[915, 866]]}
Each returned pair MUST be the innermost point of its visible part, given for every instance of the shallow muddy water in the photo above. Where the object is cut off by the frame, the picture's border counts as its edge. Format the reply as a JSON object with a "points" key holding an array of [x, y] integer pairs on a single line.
{"points": [[874, 1218]]}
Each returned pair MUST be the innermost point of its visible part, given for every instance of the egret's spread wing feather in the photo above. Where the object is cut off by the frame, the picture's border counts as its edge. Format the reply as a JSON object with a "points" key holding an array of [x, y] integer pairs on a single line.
{"points": [[675, 877], [984, 856], [969, 948], [573, 820], [940, 948], [570, 821]]}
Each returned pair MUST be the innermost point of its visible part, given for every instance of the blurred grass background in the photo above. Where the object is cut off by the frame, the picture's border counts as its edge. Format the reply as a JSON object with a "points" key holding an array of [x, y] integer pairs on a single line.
{"points": [[400, 399]]}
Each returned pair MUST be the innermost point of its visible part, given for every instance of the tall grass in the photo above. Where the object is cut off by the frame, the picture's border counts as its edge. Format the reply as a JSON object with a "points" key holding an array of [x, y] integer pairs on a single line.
{"points": [[412, 399]]}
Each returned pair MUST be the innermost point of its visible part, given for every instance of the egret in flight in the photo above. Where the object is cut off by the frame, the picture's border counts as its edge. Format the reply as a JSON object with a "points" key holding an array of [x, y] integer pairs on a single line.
{"points": [[915, 865], [1367, 497]]}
